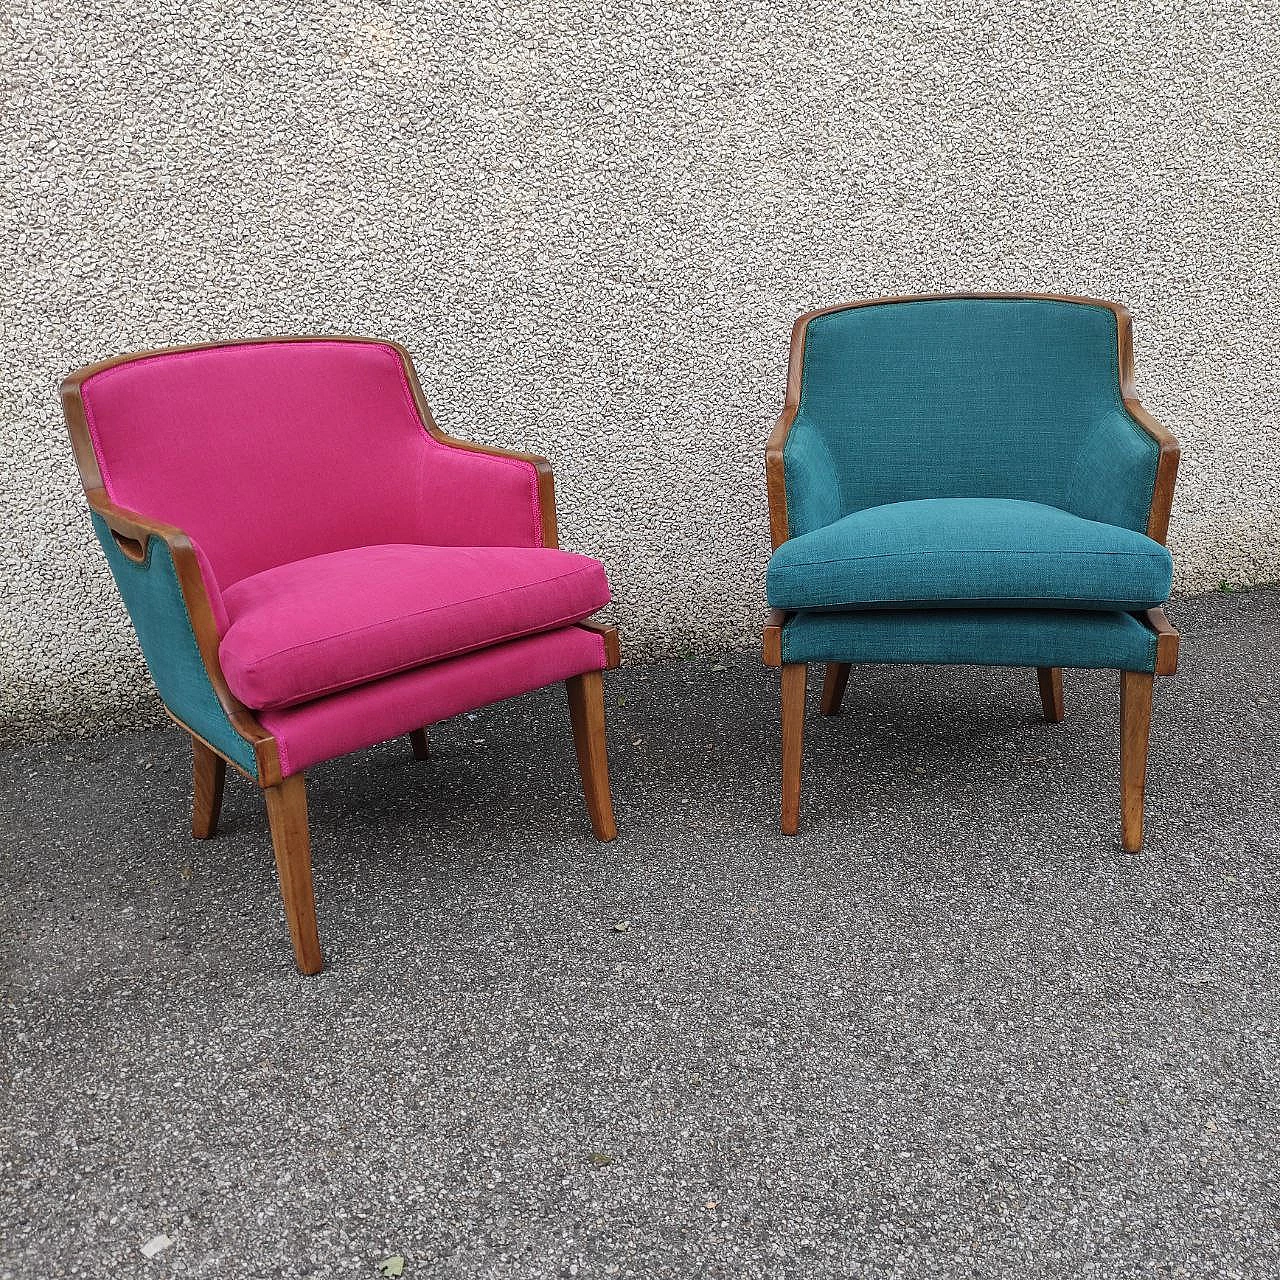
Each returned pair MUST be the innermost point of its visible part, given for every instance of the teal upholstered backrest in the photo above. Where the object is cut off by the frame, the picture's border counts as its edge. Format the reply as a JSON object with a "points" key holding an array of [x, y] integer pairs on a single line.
{"points": [[965, 397]]}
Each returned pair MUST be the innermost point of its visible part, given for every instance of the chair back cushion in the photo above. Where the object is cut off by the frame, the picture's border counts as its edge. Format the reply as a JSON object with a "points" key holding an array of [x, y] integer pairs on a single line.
{"points": [[952, 398], [265, 452]]}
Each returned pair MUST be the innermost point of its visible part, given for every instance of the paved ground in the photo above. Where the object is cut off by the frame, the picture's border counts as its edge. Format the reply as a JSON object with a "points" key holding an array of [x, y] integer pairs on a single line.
{"points": [[951, 1030]]}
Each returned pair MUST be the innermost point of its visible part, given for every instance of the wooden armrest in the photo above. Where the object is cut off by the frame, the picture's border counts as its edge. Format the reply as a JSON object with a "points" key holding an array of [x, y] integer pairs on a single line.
{"points": [[775, 474], [132, 532]]}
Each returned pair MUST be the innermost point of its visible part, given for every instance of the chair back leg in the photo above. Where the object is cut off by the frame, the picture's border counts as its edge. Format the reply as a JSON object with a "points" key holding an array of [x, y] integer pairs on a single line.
{"points": [[1051, 693], [586, 713], [208, 777], [287, 813], [833, 683], [795, 676], [421, 744], [1135, 730]]}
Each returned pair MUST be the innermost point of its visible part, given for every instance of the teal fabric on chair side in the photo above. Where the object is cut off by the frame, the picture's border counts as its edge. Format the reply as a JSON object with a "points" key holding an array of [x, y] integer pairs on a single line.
{"points": [[153, 596], [963, 397], [973, 637], [813, 483], [969, 552], [1114, 475]]}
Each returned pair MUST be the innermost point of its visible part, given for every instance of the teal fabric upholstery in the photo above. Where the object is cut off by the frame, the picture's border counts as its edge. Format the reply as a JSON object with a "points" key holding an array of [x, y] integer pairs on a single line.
{"points": [[955, 398], [153, 596], [973, 637], [958, 552]]}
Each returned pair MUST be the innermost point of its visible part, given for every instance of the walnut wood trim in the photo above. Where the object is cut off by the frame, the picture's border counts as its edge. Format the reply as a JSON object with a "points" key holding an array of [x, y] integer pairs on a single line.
{"points": [[773, 638], [609, 634], [775, 467], [1166, 464], [92, 477], [1167, 641]]}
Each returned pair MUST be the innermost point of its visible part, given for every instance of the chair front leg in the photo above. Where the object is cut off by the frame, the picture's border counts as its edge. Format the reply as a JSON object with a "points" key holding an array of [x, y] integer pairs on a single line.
{"points": [[421, 744], [833, 683], [586, 713], [287, 813], [1051, 693], [208, 777], [795, 676], [1135, 731]]}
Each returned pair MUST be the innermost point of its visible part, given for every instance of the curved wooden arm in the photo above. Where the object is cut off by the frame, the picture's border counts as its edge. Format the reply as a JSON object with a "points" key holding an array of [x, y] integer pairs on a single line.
{"points": [[132, 533], [775, 472]]}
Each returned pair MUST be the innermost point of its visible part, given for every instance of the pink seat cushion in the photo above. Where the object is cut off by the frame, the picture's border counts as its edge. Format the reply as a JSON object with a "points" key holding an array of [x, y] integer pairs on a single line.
{"points": [[314, 626]]}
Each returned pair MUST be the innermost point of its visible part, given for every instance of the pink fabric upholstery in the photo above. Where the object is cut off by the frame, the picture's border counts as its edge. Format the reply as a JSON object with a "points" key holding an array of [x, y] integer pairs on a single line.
{"points": [[372, 713], [309, 628], [270, 452]]}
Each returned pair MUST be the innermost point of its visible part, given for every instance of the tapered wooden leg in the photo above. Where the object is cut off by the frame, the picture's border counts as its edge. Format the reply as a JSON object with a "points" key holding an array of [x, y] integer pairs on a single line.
{"points": [[1051, 693], [287, 812], [586, 712], [794, 678], [421, 744], [208, 775], [1135, 730], [833, 684]]}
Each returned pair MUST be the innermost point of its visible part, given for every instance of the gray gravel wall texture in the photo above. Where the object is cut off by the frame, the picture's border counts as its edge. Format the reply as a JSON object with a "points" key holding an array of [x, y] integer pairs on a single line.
{"points": [[594, 225]]}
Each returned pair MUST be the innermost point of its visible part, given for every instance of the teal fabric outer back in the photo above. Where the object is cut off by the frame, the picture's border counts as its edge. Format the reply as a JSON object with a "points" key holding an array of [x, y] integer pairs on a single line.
{"points": [[958, 398], [153, 596], [973, 637]]}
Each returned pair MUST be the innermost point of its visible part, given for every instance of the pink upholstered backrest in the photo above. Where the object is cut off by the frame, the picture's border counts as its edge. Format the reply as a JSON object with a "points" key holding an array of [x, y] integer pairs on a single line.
{"points": [[265, 452]]}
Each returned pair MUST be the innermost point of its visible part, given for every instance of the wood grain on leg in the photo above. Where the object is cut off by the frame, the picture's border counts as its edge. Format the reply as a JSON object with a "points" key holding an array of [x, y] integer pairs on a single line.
{"points": [[287, 812], [586, 713], [794, 678], [421, 744], [1051, 693], [833, 683], [208, 776], [1135, 731]]}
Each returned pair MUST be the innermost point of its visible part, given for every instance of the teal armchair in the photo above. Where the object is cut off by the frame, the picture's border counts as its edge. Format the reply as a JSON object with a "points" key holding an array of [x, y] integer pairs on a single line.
{"points": [[969, 479]]}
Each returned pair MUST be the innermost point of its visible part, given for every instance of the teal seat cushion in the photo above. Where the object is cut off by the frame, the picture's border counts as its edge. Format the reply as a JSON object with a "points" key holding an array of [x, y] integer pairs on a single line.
{"points": [[973, 637], [969, 553]]}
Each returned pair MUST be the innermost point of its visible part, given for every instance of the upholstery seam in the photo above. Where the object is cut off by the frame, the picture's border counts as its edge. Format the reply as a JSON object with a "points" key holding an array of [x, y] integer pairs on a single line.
{"points": [[933, 605], [969, 551]]}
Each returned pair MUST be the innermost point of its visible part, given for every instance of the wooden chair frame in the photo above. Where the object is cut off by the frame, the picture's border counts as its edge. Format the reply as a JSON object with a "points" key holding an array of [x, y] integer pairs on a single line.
{"points": [[1135, 686], [285, 797]]}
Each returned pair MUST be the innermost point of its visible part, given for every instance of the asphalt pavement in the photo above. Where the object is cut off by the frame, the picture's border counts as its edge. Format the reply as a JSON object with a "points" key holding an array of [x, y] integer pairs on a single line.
{"points": [[950, 1030]]}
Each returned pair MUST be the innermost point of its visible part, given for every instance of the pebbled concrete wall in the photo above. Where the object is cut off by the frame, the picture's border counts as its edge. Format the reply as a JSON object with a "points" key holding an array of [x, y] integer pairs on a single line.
{"points": [[594, 226]]}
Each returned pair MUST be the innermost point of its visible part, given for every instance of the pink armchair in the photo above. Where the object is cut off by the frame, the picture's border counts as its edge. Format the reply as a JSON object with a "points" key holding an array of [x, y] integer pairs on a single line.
{"points": [[313, 567]]}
